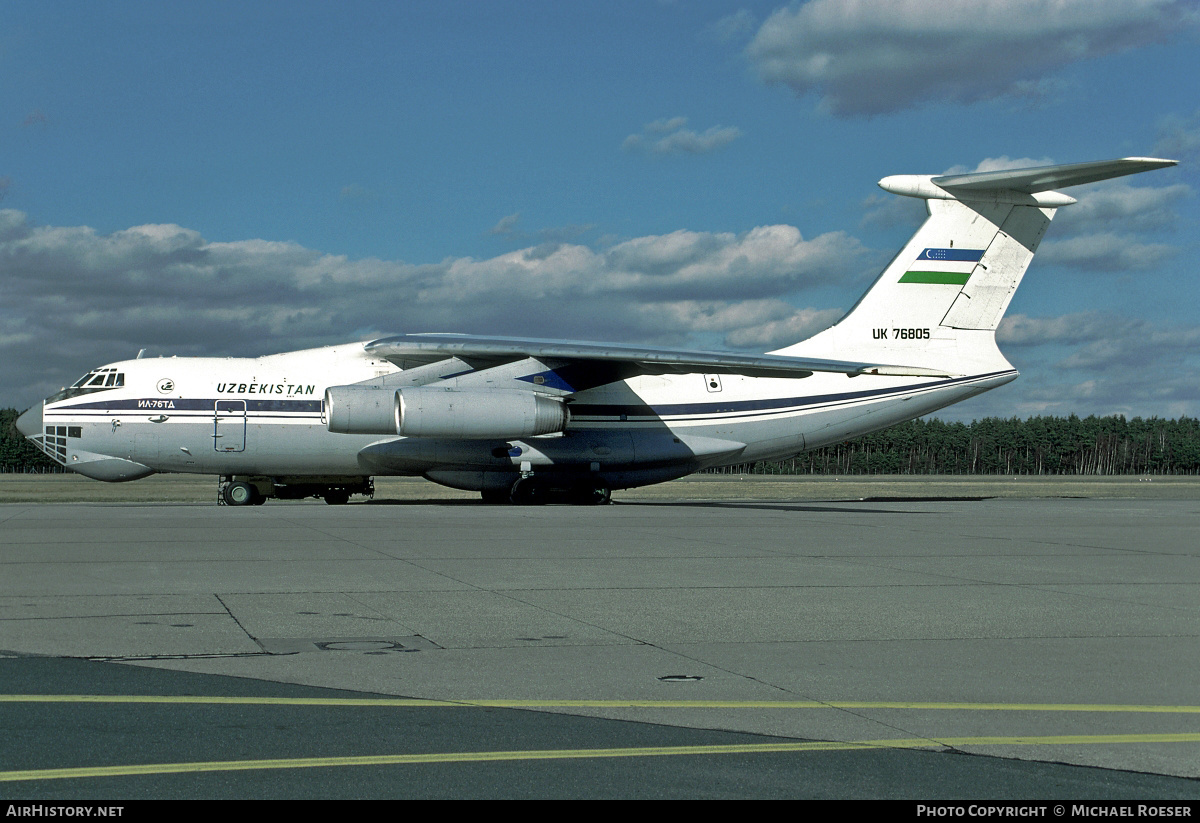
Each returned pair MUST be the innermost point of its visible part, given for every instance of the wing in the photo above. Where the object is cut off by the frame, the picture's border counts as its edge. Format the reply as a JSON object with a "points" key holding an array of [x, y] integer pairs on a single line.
{"points": [[605, 362]]}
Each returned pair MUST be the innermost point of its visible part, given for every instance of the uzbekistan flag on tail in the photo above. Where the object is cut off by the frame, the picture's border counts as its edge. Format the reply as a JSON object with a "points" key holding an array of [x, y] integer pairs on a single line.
{"points": [[950, 267]]}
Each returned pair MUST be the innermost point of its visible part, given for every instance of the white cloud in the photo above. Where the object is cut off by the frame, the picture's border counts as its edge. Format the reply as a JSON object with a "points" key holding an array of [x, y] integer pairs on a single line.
{"points": [[1136, 346], [664, 125], [1023, 330], [676, 139], [866, 58], [762, 261], [1106, 251], [686, 141], [1001, 163], [506, 225], [1118, 205], [799, 325], [1094, 363], [886, 211]]}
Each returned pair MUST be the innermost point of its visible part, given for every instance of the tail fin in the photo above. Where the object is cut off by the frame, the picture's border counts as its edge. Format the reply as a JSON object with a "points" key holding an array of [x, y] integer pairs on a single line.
{"points": [[939, 301]]}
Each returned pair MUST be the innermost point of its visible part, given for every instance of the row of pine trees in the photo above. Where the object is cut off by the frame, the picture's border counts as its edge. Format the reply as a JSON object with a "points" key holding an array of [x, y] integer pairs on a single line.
{"points": [[16, 453], [1038, 445]]}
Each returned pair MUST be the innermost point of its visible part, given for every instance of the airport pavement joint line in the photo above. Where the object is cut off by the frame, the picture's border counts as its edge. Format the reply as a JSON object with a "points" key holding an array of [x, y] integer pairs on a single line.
{"points": [[409, 702], [236, 622], [134, 770]]}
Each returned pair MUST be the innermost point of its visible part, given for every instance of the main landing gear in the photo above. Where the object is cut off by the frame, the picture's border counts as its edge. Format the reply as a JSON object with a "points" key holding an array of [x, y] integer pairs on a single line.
{"points": [[253, 490], [534, 491]]}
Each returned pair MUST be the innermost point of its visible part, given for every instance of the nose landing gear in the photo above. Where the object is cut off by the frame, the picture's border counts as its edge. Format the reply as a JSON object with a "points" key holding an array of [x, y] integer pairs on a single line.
{"points": [[253, 490], [241, 493]]}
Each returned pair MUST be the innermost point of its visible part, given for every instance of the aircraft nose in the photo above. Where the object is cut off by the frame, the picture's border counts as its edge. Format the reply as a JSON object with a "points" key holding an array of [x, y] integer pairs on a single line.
{"points": [[30, 421]]}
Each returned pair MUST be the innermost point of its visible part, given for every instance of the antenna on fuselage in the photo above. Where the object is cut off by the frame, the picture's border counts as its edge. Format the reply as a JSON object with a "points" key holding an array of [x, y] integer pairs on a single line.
{"points": [[140, 353]]}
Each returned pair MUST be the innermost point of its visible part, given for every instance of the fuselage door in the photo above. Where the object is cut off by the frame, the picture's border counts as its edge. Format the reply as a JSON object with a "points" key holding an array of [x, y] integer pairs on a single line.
{"points": [[229, 426]]}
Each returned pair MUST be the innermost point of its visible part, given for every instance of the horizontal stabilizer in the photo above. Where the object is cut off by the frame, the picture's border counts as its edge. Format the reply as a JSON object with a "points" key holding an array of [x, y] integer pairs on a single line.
{"points": [[1018, 187], [1047, 178]]}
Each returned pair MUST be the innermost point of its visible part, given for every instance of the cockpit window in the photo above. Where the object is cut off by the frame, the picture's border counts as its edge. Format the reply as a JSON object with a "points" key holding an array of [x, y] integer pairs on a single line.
{"points": [[94, 381]]}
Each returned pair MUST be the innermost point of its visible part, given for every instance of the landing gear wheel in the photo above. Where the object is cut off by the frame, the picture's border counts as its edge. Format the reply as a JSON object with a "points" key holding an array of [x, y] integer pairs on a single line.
{"points": [[495, 496], [240, 494], [337, 497], [528, 492], [596, 494]]}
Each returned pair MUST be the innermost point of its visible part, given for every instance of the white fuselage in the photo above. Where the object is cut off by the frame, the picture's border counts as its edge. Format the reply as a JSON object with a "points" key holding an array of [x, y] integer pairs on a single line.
{"points": [[266, 416]]}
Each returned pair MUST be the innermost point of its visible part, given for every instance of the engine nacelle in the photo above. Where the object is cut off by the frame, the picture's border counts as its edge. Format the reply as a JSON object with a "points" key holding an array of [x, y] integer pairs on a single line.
{"points": [[362, 410], [427, 411]]}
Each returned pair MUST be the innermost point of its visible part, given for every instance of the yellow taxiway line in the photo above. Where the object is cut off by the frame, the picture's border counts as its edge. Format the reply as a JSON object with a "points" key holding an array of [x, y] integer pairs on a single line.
{"points": [[581, 754], [567, 754]]}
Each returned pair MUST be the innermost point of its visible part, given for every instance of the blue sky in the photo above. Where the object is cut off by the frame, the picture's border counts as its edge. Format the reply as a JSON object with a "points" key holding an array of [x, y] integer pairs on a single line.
{"points": [[218, 178]]}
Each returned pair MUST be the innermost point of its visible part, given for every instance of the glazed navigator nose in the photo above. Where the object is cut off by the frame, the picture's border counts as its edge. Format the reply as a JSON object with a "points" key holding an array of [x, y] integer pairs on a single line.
{"points": [[30, 421]]}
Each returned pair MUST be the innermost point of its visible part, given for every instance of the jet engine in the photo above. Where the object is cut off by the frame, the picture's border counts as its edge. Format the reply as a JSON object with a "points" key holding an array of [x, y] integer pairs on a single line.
{"points": [[362, 410], [428, 411]]}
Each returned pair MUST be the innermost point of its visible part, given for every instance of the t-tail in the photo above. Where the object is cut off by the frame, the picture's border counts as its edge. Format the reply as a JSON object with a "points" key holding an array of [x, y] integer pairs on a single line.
{"points": [[939, 301]]}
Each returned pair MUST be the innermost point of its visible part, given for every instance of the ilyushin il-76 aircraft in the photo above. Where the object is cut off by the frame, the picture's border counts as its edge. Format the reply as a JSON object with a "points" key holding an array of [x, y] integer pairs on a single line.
{"points": [[530, 420]]}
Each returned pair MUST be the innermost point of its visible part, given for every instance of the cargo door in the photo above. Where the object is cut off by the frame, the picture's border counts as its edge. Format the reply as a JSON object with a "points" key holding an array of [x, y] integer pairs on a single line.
{"points": [[229, 426]]}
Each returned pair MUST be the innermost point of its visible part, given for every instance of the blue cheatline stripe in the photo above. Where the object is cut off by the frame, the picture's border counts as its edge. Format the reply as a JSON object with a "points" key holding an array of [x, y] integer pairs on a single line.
{"points": [[952, 255], [596, 410], [156, 404]]}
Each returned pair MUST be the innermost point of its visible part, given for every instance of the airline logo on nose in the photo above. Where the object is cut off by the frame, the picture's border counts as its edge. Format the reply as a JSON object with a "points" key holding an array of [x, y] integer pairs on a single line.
{"points": [[166, 385]]}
